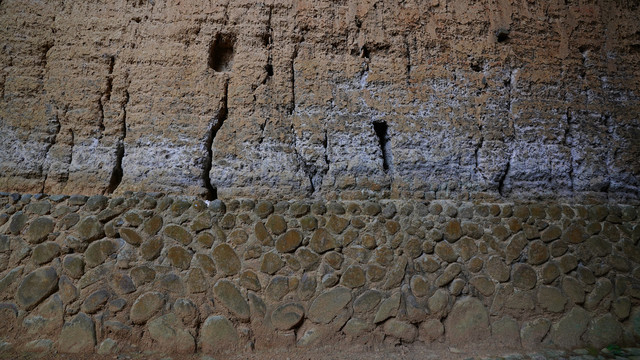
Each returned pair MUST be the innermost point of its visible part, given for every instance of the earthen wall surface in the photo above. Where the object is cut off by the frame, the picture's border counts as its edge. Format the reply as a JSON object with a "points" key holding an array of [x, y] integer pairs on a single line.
{"points": [[338, 99]]}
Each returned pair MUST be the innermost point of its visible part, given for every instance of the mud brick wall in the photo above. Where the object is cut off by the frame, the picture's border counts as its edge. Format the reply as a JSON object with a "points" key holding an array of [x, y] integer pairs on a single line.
{"points": [[179, 275], [415, 99]]}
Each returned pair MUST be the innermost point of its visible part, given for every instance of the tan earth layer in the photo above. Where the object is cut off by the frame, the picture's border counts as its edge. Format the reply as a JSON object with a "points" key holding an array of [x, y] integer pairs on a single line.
{"points": [[297, 98]]}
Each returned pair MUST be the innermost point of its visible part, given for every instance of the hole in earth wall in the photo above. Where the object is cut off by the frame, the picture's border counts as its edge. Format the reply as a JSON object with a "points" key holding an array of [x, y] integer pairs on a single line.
{"points": [[221, 53], [382, 132]]}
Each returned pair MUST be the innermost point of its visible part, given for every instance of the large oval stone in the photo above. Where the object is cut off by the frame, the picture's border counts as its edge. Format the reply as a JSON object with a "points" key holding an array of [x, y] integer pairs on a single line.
{"points": [[145, 307], [36, 287], [467, 322], [231, 298], [322, 241], [90, 229], [77, 335], [217, 334], [328, 304], [287, 316], [39, 229], [226, 259], [178, 233], [289, 241]]}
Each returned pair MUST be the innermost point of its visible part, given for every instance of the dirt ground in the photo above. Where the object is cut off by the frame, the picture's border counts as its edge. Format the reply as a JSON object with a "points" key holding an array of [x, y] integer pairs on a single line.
{"points": [[355, 352]]}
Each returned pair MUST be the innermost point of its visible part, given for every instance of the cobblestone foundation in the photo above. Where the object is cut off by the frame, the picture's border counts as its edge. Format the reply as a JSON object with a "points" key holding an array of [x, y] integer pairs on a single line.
{"points": [[150, 272]]}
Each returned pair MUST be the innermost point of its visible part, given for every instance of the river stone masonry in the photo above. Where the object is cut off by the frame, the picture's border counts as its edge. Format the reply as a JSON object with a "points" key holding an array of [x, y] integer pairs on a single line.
{"points": [[105, 275]]}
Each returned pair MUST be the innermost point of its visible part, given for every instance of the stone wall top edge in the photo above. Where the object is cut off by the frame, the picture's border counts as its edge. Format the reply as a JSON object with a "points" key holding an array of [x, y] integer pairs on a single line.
{"points": [[577, 201]]}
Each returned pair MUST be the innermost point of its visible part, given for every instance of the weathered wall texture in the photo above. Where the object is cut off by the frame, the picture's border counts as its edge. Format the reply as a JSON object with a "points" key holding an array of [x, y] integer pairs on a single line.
{"points": [[165, 274], [469, 98]]}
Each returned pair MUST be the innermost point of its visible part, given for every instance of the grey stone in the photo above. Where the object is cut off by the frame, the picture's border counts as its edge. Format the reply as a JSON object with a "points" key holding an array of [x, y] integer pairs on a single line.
{"points": [[145, 306], [419, 285], [401, 330], [178, 233], [131, 236], [446, 252], [467, 322], [68, 291], [171, 282], [506, 332], [322, 241], [524, 276], [356, 327], [107, 346], [45, 252], [249, 280], [169, 336], [604, 330], [367, 301], [307, 287], [40, 229], [450, 272], [271, 263], [497, 269], [566, 333], [39, 345], [36, 286], [483, 284], [287, 316], [96, 203], [232, 299], [395, 274], [217, 334], [151, 248], [179, 257], [122, 283], [257, 306], [186, 311], [18, 222], [538, 253], [621, 307], [89, 229], [438, 301], [95, 301], [603, 288], [277, 288], [515, 247], [533, 332], [574, 289], [98, 251], [289, 241], [226, 260], [551, 299], [276, 224], [388, 308], [39, 208], [77, 335], [328, 304], [431, 330]]}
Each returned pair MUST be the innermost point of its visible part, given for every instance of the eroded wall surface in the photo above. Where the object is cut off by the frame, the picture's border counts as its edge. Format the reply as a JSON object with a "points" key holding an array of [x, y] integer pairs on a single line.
{"points": [[173, 275], [348, 99]]}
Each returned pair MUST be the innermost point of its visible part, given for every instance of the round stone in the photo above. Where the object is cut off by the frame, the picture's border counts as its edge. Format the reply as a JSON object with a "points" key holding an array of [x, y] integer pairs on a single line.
{"points": [[145, 307], [226, 259], [39, 229], [289, 241], [36, 286], [524, 276], [287, 316], [179, 257]]}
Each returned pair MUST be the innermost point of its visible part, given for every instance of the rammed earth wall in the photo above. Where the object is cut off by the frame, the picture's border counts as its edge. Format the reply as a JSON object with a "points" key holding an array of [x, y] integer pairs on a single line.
{"points": [[151, 272], [299, 98]]}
